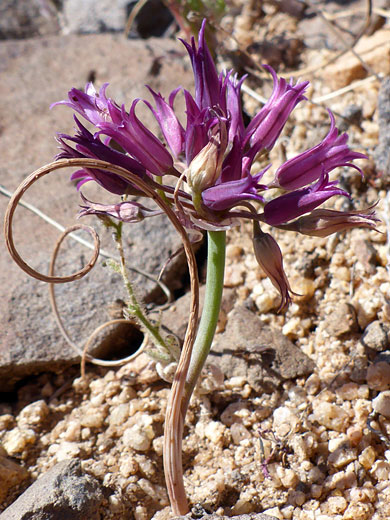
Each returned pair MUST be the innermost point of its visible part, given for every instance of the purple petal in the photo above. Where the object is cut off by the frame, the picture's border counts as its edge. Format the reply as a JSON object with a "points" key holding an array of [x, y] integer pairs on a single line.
{"points": [[296, 203], [228, 194], [170, 126], [307, 167], [267, 125]]}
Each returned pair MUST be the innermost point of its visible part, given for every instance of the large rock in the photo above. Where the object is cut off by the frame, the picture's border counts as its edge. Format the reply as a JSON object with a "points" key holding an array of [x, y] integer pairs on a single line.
{"points": [[64, 492], [36, 73], [382, 151], [27, 18], [260, 353]]}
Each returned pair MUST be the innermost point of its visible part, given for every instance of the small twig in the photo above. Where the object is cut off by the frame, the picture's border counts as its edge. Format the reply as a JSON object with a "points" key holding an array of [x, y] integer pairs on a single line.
{"points": [[136, 9], [253, 94], [344, 90]]}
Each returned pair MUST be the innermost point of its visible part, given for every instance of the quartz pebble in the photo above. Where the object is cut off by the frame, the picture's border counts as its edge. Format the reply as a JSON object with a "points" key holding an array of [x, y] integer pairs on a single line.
{"points": [[239, 432], [331, 416], [140, 435], [381, 403], [119, 414], [341, 457], [358, 511], [334, 505], [378, 376], [93, 418], [285, 420], [17, 440], [33, 414], [367, 457]]}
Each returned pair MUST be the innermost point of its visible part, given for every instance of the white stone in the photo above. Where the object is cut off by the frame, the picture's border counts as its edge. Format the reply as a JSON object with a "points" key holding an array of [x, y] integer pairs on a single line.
{"points": [[331, 416], [17, 440], [140, 435], [284, 421], [33, 414], [381, 403]]}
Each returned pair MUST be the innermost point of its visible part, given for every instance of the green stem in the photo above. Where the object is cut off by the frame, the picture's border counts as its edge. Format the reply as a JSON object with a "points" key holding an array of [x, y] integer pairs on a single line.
{"points": [[134, 307], [216, 246]]}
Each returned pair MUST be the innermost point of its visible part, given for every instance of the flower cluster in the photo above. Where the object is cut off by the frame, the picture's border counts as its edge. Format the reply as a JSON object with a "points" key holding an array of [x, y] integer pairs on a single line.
{"points": [[211, 157]]}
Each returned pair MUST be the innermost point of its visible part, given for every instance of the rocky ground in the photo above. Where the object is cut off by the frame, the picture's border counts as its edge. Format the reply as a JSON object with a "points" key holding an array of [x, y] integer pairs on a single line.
{"points": [[300, 429]]}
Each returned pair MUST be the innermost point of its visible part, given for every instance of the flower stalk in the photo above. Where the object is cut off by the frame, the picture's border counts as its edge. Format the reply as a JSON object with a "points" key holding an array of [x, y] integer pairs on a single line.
{"points": [[189, 370]]}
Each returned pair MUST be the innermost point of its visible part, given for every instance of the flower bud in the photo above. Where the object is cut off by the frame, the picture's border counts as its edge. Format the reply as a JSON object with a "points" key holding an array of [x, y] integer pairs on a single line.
{"points": [[270, 259], [204, 169]]}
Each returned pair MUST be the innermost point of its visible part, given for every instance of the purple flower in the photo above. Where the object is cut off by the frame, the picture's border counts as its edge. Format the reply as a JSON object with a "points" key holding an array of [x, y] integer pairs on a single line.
{"points": [[127, 211], [307, 167], [267, 125], [212, 153], [91, 105], [91, 146], [296, 203], [207, 83], [170, 126], [228, 194]]}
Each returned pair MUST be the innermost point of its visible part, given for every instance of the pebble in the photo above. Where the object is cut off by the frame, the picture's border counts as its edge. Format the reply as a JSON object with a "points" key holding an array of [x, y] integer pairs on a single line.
{"points": [[140, 435], [119, 414], [334, 505], [337, 443], [381, 403], [67, 450], [239, 433], [93, 418], [72, 432], [376, 336], [234, 275], [378, 376], [367, 457], [331, 416], [351, 391], [358, 511], [381, 470], [287, 477], [284, 421], [341, 457], [214, 431], [266, 302], [128, 466], [11, 474], [16, 440], [354, 434], [33, 414]]}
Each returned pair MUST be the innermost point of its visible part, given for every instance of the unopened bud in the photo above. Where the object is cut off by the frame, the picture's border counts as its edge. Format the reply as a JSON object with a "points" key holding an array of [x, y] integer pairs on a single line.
{"points": [[205, 168], [270, 259]]}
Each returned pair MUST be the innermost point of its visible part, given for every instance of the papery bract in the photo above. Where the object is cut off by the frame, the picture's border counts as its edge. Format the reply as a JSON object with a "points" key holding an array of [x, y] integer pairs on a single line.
{"points": [[324, 222], [270, 259]]}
